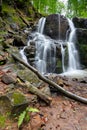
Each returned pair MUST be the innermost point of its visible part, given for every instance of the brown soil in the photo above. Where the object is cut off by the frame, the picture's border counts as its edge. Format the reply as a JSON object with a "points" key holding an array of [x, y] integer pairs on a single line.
{"points": [[62, 114]]}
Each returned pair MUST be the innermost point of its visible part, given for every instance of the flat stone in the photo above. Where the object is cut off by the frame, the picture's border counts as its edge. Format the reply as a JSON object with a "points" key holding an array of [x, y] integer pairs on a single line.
{"points": [[8, 79]]}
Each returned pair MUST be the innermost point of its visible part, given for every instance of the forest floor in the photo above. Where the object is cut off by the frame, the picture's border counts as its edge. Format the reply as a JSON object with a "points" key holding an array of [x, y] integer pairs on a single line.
{"points": [[62, 114]]}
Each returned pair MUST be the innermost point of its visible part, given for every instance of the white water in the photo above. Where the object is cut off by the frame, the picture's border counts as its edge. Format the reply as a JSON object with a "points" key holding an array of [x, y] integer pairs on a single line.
{"points": [[44, 54], [23, 56], [63, 56], [73, 61], [45, 58], [41, 25]]}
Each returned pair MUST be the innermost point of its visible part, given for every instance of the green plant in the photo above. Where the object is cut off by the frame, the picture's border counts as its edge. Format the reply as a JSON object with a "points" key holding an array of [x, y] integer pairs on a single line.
{"points": [[25, 115], [2, 120]]}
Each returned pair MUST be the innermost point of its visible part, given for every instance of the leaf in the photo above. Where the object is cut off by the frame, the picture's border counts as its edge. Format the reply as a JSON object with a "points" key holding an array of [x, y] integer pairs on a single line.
{"points": [[33, 109], [21, 118], [27, 117]]}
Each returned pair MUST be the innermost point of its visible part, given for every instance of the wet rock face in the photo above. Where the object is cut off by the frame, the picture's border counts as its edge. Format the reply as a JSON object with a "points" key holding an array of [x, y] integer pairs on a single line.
{"points": [[29, 52], [80, 22], [81, 35], [56, 26], [81, 32]]}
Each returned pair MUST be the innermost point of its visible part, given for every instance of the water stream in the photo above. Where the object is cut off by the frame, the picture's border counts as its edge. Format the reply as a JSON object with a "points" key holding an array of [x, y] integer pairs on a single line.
{"points": [[73, 62], [45, 56]]}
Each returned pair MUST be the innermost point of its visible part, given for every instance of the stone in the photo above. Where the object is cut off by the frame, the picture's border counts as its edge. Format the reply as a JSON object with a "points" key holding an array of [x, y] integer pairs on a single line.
{"points": [[82, 45], [5, 104], [36, 122], [18, 101], [46, 90], [14, 102], [8, 79], [56, 26], [81, 35], [80, 22], [18, 41]]}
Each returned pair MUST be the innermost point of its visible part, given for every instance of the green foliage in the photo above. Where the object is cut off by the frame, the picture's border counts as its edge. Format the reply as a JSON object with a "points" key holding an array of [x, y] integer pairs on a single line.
{"points": [[77, 8], [2, 120], [48, 6], [32, 109], [21, 118], [25, 115]]}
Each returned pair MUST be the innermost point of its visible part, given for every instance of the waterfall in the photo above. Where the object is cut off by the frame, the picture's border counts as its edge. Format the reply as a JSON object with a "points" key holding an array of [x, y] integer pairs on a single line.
{"points": [[45, 59], [73, 61], [41, 25], [61, 42], [63, 56], [45, 55], [23, 56]]}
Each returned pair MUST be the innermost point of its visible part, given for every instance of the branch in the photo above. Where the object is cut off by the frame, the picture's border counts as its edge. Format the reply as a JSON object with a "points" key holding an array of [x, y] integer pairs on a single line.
{"points": [[60, 89]]}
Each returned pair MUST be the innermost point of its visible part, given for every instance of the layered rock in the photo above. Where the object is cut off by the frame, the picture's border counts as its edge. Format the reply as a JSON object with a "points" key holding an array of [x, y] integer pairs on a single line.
{"points": [[81, 31], [82, 45], [56, 26], [80, 22]]}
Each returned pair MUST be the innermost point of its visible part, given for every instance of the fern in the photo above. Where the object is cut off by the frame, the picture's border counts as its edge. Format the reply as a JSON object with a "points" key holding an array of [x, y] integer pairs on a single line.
{"points": [[33, 109], [24, 116], [21, 118]]}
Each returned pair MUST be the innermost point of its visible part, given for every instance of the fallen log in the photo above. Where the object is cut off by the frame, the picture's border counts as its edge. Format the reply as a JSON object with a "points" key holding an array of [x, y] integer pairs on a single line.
{"points": [[53, 84], [37, 92]]}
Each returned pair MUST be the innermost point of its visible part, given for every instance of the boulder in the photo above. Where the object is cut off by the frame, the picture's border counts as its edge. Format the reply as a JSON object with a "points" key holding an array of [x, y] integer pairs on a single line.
{"points": [[80, 22], [82, 45], [29, 52], [56, 26], [81, 35], [13, 102], [18, 41]]}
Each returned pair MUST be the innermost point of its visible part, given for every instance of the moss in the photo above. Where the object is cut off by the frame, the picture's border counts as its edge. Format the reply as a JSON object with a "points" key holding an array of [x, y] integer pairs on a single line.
{"points": [[2, 121], [17, 98], [10, 15]]}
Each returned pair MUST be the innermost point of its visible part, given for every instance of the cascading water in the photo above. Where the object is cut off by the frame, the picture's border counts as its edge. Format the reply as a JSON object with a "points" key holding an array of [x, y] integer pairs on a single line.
{"points": [[45, 56], [23, 56], [61, 42], [63, 56], [73, 62], [41, 25], [45, 59]]}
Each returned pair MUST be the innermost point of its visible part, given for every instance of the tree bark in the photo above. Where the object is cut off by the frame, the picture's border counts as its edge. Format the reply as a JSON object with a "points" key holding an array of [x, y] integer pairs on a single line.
{"points": [[60, 89], [37, 92]]}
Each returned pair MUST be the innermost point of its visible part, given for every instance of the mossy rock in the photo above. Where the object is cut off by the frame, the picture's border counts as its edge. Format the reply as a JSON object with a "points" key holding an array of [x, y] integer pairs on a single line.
{"points": [[28, 75], [16, 98], [13, 102], [5, 104], [18, 101]]}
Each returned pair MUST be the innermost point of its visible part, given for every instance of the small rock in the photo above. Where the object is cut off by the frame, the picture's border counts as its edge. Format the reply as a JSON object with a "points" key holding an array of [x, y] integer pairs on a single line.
{"points": [[36, 122], [46, 90], [8, 79]]}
